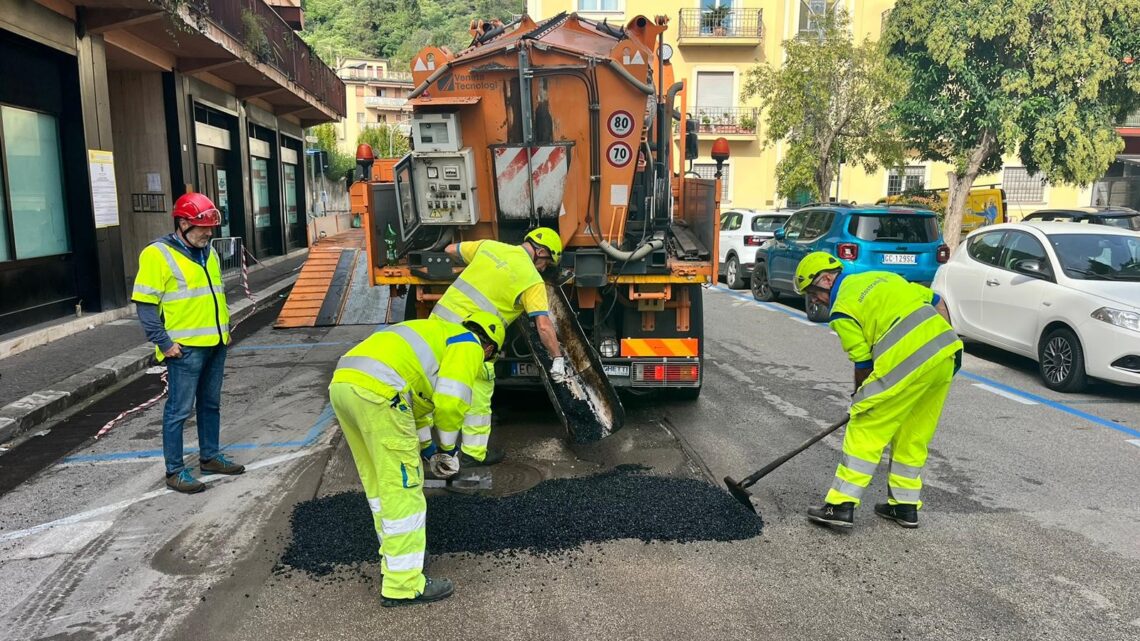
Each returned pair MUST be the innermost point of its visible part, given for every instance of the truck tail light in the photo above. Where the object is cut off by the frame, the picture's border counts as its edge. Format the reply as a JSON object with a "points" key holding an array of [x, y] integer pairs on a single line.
{"points": [[753, 240], [666, 374], [848, 251], [943, 253]]}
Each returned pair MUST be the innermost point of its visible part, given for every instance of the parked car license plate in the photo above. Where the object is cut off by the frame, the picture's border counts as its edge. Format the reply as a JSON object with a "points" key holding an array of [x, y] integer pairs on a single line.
{"points": [[900, 259]]}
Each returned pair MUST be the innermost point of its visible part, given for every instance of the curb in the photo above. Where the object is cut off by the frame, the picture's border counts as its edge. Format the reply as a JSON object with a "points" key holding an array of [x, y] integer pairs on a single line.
{"points": [[21, 415]]}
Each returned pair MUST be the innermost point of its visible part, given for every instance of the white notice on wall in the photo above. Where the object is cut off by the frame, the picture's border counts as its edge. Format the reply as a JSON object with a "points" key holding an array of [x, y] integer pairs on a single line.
{"points": [[154, 182], [104, 197]]}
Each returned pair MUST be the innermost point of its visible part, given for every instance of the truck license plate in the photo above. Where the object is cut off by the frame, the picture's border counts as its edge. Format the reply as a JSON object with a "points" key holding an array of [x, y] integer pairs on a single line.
{"points": [[900, 259], [525, 370], [616, 370]]}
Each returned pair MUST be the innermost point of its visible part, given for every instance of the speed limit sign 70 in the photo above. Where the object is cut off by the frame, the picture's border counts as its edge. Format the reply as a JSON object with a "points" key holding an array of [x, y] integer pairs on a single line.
{"points": [[620, 124], [619, 154]]}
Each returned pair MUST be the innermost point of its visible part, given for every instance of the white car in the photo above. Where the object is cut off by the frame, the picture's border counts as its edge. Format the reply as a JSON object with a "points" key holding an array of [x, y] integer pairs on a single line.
{"points": [[1065, 295], [742, 231]]}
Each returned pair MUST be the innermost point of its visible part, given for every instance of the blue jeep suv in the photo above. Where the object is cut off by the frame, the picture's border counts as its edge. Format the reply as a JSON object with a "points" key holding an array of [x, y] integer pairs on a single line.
{"points": [[905, 241]]}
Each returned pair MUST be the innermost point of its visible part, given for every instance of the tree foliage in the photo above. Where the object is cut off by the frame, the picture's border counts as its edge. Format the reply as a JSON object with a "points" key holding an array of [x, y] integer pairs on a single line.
{"points": [[386, 142], [1045, 80], [396, 29], [829, 101], [339, 163]]}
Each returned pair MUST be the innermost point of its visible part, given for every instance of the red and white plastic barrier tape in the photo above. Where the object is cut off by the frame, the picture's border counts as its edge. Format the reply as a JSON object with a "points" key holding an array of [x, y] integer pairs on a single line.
{"points": [[138, 408]]}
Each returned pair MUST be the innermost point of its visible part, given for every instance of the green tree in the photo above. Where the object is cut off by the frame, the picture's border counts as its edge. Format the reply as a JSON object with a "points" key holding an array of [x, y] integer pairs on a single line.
{"points": [[829, 101], [339, 163], [1040, 79], [386, 142]]}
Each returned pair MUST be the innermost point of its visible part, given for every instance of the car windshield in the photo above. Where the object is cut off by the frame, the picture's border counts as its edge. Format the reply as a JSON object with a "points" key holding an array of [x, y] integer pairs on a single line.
{"points": [[768, 223], [1124, 222], [1098, 256], [895, 228]]}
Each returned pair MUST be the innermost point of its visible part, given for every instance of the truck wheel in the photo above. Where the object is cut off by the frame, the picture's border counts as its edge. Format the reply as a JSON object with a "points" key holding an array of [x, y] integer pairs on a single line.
{"points": [[732, 276]]}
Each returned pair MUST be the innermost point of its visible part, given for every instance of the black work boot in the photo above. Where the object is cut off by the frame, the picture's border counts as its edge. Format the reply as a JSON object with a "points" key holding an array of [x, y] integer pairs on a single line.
{"points": [[492, 457], [841, 515], [434, 590], [904, 514]]}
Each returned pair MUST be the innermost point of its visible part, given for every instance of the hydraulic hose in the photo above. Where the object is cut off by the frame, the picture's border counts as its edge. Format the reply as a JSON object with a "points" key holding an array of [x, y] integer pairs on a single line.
{"points": [[631, 256], [645, 88], [670, 96]]}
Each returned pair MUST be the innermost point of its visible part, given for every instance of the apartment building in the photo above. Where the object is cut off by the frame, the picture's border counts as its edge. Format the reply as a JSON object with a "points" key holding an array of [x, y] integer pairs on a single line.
{"points": [[110, 110], [376, 96], [715, 42]]}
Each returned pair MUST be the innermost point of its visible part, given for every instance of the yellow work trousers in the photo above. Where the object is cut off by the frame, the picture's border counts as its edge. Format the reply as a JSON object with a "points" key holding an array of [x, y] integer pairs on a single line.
{"points": [[907, 421], [384, 445], [477, 423]]}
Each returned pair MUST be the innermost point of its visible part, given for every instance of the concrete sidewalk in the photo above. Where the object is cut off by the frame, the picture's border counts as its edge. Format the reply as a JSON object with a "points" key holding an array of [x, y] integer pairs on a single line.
{"points": [[40, 382]]}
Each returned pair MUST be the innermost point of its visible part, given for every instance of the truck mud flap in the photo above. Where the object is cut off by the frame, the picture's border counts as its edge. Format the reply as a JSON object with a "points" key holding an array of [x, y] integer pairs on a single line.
{"points": [[587, 403]]}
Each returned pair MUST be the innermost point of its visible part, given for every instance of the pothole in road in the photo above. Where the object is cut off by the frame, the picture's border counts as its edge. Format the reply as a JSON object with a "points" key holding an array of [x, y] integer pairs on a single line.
{"points": [[555, 516]]}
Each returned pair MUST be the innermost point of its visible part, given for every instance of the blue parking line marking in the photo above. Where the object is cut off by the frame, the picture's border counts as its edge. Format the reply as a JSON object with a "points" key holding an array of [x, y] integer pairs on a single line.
{"points": [[1053, 404], [242, 348], [1092, 418], [323, 420]]}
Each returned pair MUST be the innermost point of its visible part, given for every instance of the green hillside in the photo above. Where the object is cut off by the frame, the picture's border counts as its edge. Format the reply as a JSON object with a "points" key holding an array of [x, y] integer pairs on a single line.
{"points": [[395, 29]]}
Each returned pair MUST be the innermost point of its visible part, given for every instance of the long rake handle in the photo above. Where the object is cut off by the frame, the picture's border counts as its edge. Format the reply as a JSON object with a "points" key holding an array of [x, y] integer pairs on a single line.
{"points": [[762, 472]]}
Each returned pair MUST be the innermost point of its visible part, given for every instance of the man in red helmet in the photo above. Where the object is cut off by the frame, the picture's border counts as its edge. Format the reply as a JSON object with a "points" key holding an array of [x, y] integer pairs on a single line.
{"points": [[181, 303]]}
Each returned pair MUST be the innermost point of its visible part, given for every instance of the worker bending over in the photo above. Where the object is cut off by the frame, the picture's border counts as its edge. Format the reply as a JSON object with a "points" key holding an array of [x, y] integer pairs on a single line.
{"points": [[898, 334], [504, 280], [384, 392]]}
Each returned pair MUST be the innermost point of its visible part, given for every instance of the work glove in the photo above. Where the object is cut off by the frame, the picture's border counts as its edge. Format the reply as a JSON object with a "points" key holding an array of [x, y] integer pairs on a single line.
{"points": [[558, 370], [444, 465]]}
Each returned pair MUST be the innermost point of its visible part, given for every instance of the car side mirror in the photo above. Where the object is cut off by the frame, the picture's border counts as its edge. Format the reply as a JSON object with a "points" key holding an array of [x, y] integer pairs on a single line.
{"points": [[1032, 268], [779, 234]]}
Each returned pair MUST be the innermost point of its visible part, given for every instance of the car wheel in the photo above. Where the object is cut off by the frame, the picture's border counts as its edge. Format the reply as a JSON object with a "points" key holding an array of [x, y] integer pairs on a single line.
{"points": [[1062, 361], [761, 286], [732, 276], [816, 312]]}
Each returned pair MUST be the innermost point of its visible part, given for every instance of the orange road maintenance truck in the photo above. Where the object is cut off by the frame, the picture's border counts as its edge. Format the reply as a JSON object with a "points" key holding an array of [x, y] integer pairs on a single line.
{"points": [[571, 124]]}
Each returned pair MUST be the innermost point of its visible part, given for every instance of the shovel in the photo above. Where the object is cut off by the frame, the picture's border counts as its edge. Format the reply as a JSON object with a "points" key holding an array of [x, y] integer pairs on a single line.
{"points": [[739, 490]]}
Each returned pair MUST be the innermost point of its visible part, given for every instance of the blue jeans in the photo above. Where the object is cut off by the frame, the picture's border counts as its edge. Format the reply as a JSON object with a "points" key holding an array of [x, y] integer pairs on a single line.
{"points": [[197, 375]]}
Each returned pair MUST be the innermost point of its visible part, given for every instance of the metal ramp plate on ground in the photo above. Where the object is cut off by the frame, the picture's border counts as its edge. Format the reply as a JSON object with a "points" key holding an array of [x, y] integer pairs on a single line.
{"points": [[333, 287]]}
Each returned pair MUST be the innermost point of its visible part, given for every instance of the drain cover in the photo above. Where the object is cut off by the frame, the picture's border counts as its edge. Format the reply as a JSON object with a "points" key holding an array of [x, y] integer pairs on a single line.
{"points": [[502, 479]]}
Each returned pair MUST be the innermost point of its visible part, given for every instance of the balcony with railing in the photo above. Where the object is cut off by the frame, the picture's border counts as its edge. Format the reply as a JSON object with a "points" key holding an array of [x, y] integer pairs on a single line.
{"points": [[272, 42], [383, 102], [1130, 122], [386, 76], [731, 26], [730, 122]]}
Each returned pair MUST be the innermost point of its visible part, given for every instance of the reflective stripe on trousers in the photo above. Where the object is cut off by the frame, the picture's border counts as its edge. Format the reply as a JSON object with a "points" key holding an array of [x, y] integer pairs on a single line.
{"points": [[906, 421], [477, 424], [383, 442]]}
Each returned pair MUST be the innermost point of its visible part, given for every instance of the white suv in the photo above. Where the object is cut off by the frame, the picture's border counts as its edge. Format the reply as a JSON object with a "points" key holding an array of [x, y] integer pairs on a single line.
{"points": [[742, 231]]}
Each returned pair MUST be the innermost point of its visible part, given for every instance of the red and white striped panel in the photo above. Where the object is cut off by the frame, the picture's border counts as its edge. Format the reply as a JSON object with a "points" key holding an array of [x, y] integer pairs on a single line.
{"points": [[549, 165]]}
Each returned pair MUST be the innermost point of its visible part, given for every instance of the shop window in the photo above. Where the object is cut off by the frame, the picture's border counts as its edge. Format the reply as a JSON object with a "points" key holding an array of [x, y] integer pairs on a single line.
{"points": [[290, 174], [260, 178], [33, 199]]}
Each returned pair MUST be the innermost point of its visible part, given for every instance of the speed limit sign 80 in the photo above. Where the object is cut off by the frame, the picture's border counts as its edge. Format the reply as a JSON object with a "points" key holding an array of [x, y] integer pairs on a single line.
{"points": [[620, 124]]}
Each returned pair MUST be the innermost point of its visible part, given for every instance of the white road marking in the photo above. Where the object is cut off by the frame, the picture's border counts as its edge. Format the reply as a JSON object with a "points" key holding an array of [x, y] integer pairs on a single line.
{"points": [[1136, 442], [1005, 394], [63, 540], [114, 507]]}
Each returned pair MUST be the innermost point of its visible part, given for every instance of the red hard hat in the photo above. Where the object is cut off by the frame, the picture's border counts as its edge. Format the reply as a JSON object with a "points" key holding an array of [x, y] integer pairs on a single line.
{"points": [[198, 209]]}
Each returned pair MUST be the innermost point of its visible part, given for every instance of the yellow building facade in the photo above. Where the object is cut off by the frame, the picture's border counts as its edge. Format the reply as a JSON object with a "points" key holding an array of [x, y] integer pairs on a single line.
{"points": [[377, 96], [715, 42]]}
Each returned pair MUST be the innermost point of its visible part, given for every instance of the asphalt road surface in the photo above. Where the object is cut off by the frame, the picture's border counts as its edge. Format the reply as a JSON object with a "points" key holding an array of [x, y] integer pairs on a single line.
{"points": [[1030, 529]]}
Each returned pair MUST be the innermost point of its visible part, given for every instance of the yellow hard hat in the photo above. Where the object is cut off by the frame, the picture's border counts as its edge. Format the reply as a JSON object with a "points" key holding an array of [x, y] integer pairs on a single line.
{"points": [[490, 325], [547, 238], [812, 266]]}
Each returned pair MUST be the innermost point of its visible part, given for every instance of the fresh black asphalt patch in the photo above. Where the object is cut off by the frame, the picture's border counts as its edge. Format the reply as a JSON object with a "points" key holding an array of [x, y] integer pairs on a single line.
{"points": [[554, 516]]}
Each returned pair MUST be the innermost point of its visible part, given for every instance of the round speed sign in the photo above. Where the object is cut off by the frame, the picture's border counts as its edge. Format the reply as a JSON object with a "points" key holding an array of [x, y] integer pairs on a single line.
{"points": [[619, 154], [620, 124]]}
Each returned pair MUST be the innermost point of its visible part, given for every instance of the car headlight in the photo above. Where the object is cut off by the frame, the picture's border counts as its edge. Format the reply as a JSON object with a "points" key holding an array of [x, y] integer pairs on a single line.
{"points": [[1118, 317]]}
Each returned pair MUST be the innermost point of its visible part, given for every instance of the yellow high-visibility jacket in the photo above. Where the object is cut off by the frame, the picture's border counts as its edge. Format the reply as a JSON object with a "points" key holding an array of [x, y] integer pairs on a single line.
{"points": [[191, 297], [429, 364], [495, 279], [890, 326]]}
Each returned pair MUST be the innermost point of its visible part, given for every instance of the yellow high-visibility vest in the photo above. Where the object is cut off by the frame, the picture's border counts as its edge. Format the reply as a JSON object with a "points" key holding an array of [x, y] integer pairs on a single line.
{"points": [[429, 364], [191, 297], [890, 325], [492, 282]]}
